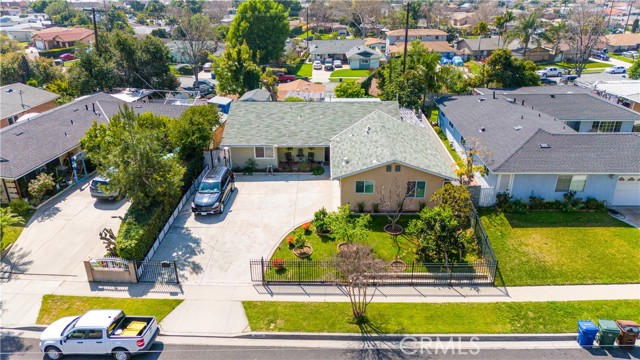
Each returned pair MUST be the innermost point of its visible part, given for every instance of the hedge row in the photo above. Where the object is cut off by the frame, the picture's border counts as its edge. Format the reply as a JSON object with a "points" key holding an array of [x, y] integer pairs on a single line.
{"points": [[55, 53], [142, 225]]}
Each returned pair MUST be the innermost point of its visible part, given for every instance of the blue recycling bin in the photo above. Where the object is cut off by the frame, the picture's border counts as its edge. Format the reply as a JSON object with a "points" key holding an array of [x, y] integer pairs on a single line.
{"points": [[587, 332]]}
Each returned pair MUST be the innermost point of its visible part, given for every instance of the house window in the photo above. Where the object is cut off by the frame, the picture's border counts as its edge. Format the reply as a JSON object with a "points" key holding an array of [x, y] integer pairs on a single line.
{"points": [[389, 168], [505, 183], [606, 126], [264, 152], [364, 61], [364, 187], [437, 37], [571, 183], [416, 189], [397, 168]]}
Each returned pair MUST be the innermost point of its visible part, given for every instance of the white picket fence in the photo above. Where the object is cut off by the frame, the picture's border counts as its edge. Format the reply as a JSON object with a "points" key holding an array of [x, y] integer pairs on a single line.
{"points": [[174, 216]]}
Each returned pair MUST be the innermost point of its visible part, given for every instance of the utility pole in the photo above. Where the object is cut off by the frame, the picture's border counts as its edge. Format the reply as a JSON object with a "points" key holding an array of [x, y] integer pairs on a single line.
{"points": [[307, 32], [610, 11], [628, 14], [406, 39], [95, 27]]}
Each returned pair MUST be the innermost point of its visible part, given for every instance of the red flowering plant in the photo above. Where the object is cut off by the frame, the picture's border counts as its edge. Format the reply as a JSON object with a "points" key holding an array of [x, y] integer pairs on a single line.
{"points": [[278, 263], [306, 227], [290, 240]]}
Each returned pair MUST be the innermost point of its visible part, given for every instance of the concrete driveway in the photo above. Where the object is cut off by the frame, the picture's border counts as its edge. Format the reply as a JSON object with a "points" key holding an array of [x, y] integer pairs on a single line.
{"points": [[63, 233], [216, 249], [631, 214]]}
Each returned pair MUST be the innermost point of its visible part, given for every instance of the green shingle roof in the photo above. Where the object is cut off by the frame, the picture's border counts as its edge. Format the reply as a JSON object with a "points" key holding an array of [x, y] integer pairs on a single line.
{"points": [[379, 139], [303, 123]]}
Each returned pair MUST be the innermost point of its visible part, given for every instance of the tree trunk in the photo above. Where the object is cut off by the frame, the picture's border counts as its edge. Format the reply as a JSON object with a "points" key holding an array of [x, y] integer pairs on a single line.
{"points": [[196, 70]]}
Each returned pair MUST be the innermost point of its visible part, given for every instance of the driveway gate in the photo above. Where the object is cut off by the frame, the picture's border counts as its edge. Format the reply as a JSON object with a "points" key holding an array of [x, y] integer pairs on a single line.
{"points": [[154, 271]]}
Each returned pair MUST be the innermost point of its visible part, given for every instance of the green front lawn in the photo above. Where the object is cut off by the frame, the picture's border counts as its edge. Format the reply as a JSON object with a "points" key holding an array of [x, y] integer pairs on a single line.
{"points": [[475, 67], [304, 70], [12, 233], [325, 248], [446, 318], [349, 73], [621, 58], [54, 306], [552, 247], [335, 79]]}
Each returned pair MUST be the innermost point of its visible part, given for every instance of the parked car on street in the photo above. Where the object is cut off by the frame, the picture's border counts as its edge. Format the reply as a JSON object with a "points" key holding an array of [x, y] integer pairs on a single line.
{"points": [[565, 79], [317, 65], [600, 55], [207, 67], [550, 72], [66, 57], [328, 67], [547, 81], [337, 63], [99, 332], [284, 78], [616, 70], [58, 62], [214, 191], [630, 54], [97, 186]]}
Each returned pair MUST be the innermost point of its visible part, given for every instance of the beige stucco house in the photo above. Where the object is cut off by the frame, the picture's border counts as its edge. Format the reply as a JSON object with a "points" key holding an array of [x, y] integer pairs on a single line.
{"points": [[371, 148]]}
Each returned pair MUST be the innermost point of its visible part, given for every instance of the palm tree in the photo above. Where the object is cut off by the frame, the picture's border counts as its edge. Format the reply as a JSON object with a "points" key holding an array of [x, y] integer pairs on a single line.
{"points": [[8, 218], [481, 29], [555, 34], [524, 30], [501, 22]]}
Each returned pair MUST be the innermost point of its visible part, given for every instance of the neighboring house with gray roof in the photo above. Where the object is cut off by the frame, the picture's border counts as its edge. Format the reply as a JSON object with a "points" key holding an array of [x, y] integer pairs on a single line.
{"points": [[577, 107], [526, 151], [333, 49], [47, 142], [256, 95], [368, 146], [363, 57], [17, 100]]}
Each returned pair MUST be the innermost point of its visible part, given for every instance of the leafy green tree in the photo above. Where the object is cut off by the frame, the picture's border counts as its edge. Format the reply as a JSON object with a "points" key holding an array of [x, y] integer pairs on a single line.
{"points": [[62, 88], [45, 71], [481, 29], [39, 186], [347, 227], [131, 153], [555, 34], [438, 235], [396, 19], [192, 6], [7, 44], [456, 198], [524, 29], [263, 26], [115, 19], [38, 6], [155, 8], [195, 35], [160, 33], [634, 71], [192, 132], [93, 72], [452, 80], [452, 34], [505, 71], [10, 71], [137, 6], [349, 89], [500, 22], [8, 218], [293, 99], [220, 32], [635, 25], [236, 72]]}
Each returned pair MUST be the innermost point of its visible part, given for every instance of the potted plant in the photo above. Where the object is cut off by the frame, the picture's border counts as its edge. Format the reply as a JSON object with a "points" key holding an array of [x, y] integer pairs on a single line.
{"points": [[300, 247], [320, 222]]}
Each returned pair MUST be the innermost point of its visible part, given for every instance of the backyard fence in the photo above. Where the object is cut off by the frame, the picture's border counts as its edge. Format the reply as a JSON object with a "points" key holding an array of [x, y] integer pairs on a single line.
{"points": [[305, 271]]}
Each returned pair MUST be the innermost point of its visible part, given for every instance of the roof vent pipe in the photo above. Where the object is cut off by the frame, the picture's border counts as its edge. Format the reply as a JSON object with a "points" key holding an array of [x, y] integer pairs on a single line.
{"points": [[522, 102], [86, 107], [93, 106], [494, 94]]}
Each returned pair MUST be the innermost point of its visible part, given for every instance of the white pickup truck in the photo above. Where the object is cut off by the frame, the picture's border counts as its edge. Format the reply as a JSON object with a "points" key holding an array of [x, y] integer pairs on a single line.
{"points": [[99, 332]]}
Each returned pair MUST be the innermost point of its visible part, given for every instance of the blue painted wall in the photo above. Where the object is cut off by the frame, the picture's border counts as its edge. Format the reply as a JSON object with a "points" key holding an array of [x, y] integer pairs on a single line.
{"points": [[600, 187]]}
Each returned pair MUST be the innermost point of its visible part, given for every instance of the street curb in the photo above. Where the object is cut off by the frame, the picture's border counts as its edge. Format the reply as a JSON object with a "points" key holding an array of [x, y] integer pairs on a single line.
{"points": [[352, 336]]}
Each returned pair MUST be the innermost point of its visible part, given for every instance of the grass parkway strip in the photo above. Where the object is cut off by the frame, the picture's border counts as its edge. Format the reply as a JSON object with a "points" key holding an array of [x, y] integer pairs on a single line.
{"points": [[54, 307], [446, 318]]}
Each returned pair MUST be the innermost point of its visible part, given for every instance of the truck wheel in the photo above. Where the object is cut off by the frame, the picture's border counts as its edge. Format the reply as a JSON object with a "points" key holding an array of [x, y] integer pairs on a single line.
{"points": [[53, 353], [121, 354]]}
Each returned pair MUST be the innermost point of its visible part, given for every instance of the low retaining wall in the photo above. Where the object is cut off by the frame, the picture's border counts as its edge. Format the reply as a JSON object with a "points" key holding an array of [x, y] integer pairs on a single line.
{"points": [[111, 270]]}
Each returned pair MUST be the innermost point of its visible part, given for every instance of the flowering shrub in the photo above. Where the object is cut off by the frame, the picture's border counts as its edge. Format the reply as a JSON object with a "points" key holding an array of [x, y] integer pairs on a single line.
{"points": [[290, 240], [278, 263], [306, 226]]}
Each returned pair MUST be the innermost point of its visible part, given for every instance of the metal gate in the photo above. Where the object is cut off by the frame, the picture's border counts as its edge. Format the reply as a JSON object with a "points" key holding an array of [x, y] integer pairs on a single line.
{"points": [[154, 271]]}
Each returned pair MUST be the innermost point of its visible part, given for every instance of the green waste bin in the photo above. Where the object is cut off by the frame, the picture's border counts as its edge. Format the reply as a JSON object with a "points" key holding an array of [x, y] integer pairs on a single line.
{"points": [[608, 331]]}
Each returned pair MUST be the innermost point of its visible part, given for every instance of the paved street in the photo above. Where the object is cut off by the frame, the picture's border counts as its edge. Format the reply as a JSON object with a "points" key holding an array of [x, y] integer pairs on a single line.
{"points": [[18, 348], [216, 249]]}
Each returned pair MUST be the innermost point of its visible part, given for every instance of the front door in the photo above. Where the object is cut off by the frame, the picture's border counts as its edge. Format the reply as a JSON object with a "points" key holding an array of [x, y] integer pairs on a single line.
{"points": [[327, 152]]}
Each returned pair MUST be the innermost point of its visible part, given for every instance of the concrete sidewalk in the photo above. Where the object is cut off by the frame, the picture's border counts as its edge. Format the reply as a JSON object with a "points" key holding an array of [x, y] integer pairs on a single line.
{"points": [[218, 309]]}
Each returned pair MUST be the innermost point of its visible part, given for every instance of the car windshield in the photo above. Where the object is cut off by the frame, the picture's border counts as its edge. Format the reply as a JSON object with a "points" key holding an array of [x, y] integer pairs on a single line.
{"points": [[209, 187]]}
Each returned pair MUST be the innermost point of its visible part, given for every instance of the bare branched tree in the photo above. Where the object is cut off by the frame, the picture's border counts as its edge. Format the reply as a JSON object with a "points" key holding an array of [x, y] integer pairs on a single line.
{"points": [[194, 35], [486, 11], [392, 203], [216, 10], [320, 13], [586, 27], [362, 13], [360, 271]]}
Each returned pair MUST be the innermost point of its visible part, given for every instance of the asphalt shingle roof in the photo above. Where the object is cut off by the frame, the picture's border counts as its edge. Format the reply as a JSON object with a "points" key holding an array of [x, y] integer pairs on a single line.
{"points": [[256, 95], [333, 46], [31, 144], [380, 139], [578, 153], [363, 52], [296, 123], [567, 103], [499, 118], [11, 104]]}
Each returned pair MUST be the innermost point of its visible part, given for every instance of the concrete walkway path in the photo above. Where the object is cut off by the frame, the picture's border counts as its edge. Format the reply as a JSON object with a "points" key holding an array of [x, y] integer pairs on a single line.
{"points": [[218, 308]]}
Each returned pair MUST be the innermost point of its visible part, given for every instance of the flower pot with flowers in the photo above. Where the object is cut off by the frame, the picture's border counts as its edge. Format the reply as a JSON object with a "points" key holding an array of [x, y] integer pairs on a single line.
{"points": [[300, 247]]}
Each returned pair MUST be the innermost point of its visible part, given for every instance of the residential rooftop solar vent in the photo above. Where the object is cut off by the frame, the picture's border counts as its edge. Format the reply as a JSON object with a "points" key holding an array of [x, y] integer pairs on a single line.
{"points": [[482, 99], [545, 146], [518, 127], [513, 101]]}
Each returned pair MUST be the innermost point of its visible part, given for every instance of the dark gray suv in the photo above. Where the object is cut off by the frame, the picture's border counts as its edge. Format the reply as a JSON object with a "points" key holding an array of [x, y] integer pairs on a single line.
{"points": [[214, 191]]}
